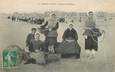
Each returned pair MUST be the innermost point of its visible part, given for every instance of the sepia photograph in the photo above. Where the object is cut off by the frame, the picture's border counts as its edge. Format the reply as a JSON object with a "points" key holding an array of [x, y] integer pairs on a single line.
{"points": [[57, 35]]}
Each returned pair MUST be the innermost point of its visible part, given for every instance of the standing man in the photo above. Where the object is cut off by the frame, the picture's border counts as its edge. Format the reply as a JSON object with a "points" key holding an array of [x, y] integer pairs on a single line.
{"points": [[51, 36], [29, 38]]}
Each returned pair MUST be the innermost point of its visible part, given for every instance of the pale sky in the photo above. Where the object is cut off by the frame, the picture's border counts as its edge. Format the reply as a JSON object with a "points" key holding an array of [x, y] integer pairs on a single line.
{"points": [[9, 6]]}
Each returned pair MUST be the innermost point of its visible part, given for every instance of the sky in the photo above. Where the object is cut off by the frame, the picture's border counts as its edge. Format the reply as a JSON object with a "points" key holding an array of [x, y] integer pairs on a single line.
{"points": [[28, 6]]}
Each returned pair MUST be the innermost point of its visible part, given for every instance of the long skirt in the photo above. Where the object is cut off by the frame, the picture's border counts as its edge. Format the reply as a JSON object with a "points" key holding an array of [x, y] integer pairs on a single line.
{"points": [[69, 48], [36, 58], [91, 43], [39, 57]]}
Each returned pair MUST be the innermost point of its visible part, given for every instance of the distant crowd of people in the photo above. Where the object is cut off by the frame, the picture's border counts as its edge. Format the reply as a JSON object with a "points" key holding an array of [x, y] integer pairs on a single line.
{"points": [[28, 19], [69, 45]]}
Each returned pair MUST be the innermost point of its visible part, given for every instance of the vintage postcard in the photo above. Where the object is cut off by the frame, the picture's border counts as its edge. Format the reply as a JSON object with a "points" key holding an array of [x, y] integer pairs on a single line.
{"points": [[57, 35]]}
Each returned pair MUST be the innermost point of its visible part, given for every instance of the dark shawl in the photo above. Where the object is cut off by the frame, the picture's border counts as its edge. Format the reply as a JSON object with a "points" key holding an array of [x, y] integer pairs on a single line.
{"points": [[70, 33]]}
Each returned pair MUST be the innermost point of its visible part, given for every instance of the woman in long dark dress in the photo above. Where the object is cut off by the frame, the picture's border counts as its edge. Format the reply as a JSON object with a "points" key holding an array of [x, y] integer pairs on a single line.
{"points": [[70, 46], [91, 35]]}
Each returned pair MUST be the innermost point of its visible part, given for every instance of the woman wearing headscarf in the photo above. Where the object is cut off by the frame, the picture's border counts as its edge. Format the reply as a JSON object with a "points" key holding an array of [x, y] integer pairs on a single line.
{"points": [[91, 35], [70, 46]]}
